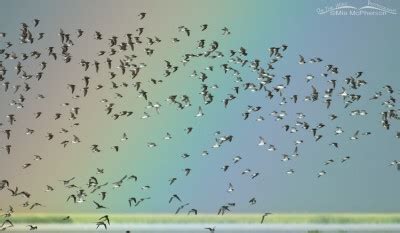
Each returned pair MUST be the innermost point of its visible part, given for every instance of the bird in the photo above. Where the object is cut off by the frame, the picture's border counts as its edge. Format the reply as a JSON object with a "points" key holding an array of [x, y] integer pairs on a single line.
{"points": [[141, 200], [194, 211], [99, 206], [187, 171], [8, 133], [100, 171], [15, 193], [189, 130], [263, 217], [73, 197], [355, 135], [230, 188], [335, 144], [3, 184], [118, 184], [345, 159], [254, 175], [236, 159], [210, 229], [172, 180], [6, 224], [290, 172], [200, 112], [130, 200], [321, 173], [49, 188], [101, 224], [142, 15], [168, 136], [36, 22], [395, 163], [103, 195], [105, 218], [181, 207], [116, 148], [133, 177], [35, 204], [302, 60], [203, 27], [174, 196], [32, 227]]}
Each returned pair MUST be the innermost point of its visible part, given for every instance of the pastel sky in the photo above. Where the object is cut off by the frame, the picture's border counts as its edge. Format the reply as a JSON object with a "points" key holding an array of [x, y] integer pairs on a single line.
{"points": [[369, 44]]}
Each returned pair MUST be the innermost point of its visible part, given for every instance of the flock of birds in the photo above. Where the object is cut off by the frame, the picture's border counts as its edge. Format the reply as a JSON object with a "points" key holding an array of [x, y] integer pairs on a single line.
{"points": [[340, 91]]}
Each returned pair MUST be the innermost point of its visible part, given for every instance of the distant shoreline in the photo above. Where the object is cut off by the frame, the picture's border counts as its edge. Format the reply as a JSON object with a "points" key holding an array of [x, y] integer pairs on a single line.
{"points": [[278, 218]]}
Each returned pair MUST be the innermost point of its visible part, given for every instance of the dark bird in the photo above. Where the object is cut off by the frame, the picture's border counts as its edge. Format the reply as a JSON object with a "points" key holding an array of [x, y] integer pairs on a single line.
{"points": [[16, 193], [172, 180], [80, 32], [118, 184], [72, 87], [223, 209], [263, 217], [8, 133], [73, 197], [35, 204], [36, 22], [103, 195], [180, 208], [174, 196], [6, 224], [187, 171], [194, 211], [11, 118], [3, 184], [101, 224], [98, 206], [32, 227], [142, 15], [210, 229], [130, 201], [105, 218]]}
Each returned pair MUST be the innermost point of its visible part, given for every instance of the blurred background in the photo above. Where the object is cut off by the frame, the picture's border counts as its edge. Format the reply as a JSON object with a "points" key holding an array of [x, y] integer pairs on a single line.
{"points": [[369, 44]]}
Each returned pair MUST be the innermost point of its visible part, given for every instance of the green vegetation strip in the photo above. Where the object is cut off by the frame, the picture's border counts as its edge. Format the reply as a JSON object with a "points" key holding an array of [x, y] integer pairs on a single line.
{"points": [[208, 218]]}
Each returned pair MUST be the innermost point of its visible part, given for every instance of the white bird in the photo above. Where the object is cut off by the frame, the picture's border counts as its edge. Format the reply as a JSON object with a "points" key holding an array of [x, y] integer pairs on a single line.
{"points": [[355, 136], [145, 115], [321, 173], [290, 172], [236, 159], [124, 137], [285, 158], [338, 131], [271, 148], [262, 141], [76, 139], [230, 189], [168, 136], [309, 77], [200, 113]]}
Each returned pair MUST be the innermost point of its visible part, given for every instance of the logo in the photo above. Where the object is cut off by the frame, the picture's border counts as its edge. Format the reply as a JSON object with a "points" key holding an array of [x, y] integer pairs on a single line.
{"points": [[346, 9]]}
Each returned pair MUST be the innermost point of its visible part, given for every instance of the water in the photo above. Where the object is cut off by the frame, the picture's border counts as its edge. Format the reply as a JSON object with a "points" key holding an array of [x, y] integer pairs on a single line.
{"points": [[225, 228]]}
